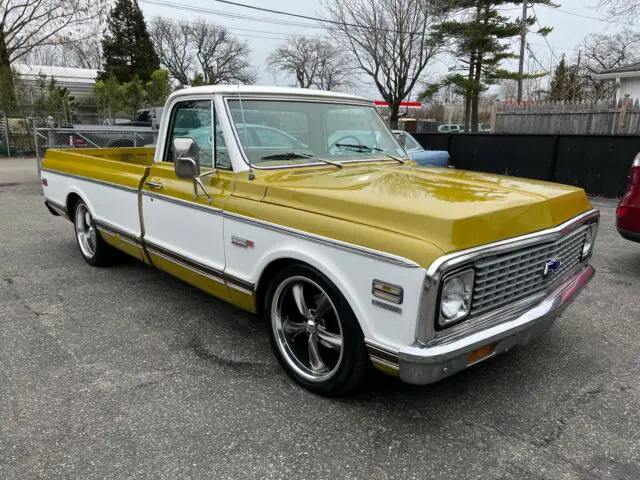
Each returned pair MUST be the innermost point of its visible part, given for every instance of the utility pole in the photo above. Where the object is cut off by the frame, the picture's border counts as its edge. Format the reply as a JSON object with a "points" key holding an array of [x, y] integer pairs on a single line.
{"points": [[523, 44]]}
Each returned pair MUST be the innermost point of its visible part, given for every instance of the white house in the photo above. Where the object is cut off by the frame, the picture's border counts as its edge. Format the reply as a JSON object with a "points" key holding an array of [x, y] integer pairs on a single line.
{"points": [[627, 80], [79, 81]]}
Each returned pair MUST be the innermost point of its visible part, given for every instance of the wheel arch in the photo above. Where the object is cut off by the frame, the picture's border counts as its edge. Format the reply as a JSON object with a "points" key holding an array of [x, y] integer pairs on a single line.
{"points": [[73, 197], [276, 261], [72, 200]]}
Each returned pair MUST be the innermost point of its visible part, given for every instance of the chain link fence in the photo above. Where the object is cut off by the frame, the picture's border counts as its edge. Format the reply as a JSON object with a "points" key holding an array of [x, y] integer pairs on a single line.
{"points": [[16, 136], [91, 136]]}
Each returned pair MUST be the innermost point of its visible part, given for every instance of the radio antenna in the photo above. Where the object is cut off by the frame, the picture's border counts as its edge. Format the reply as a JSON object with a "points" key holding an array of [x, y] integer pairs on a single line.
{"points": [[246, 136]]}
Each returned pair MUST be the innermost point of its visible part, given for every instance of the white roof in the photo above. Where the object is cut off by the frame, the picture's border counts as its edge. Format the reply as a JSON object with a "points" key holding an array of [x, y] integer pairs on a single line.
{"points": [[261, 90], [61, 74]]}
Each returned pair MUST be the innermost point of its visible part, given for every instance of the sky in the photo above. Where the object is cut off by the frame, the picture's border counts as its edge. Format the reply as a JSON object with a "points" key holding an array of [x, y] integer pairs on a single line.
{"points": [[569, 23]]}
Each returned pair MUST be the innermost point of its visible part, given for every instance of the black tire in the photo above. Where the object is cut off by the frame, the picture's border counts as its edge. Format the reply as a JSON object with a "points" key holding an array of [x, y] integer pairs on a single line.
{"points": [[97, 252], [352, 367]]}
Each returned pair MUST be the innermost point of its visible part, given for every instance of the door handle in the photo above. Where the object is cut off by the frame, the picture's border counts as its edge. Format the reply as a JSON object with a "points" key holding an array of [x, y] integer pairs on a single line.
{"points": [[154, 184]]}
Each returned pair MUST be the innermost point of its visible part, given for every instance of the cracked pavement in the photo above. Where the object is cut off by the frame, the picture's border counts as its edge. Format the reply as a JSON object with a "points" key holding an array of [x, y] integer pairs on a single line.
{"points": [[126, 373]]}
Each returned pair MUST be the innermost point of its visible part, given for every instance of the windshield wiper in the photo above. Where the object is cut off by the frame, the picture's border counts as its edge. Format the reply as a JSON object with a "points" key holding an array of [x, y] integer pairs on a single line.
{"points": [[361, 147], [294, 155]]}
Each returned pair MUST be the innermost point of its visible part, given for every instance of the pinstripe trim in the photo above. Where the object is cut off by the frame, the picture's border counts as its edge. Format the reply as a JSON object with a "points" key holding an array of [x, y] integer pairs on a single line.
{"points": [[182, 203], [92, 180], [349, 247], [186, 262], [113, 230], [376, 254], [58, 207], [201, 269]]}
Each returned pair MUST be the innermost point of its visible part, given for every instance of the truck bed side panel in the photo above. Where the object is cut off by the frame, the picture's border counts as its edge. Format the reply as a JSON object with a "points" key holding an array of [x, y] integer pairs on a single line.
{"points": [[109, 186]]}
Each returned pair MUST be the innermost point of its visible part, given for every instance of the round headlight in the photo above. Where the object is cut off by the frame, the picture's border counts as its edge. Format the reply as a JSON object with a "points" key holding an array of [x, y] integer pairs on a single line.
{"points": [[588, 241], [453, 298]]}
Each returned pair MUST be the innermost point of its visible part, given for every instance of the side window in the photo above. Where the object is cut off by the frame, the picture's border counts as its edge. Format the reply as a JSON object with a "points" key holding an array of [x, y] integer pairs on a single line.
{"points": [[192, 119], [221, 154]]}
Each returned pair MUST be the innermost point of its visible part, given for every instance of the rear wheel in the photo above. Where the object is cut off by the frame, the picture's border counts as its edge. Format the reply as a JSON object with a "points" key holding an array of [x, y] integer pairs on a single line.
{"points": [[92, 246], [314, 332]]}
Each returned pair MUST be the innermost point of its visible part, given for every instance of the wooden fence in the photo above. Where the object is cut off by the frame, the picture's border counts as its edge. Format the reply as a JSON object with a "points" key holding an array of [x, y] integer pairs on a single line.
{"points": [[570, 118]]}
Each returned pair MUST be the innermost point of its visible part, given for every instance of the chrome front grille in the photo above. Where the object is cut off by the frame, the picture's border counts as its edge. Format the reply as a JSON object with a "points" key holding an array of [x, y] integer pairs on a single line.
{"points": [[505, 278]]}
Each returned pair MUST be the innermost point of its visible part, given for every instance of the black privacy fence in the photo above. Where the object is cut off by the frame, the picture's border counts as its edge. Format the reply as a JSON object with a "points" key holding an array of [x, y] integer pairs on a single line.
{"points": [[598, 163]]}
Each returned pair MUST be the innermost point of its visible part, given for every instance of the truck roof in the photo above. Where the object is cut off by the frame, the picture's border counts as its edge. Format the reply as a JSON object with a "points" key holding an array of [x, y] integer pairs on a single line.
{"points": [[261, 90]]}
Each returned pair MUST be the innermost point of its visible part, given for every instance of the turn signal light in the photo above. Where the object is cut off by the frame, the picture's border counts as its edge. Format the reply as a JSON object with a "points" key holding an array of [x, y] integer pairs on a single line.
{"points": [[387, 291], [480, 354]]}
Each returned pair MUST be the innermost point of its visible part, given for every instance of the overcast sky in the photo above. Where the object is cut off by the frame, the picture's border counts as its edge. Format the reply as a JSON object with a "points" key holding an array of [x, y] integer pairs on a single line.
{"points": [[569, 24]]}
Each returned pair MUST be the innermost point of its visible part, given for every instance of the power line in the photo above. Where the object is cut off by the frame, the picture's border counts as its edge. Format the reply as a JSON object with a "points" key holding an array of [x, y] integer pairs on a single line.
{"points": [[208, 11], [279, 35], [543, 35], [600, 19], [277, 12], [533, 55], [555, 47]]}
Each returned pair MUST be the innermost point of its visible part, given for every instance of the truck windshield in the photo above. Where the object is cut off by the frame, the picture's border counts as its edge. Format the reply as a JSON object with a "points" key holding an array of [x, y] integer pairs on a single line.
{"points": [[281, 133]]}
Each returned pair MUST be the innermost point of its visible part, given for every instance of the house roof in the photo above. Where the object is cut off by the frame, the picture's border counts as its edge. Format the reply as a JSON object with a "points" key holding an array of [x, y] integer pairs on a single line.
{"points": [[632, 70], [63, 74]]}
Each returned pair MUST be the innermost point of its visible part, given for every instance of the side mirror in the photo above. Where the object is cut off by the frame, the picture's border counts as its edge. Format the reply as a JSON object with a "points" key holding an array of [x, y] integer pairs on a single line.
{"points": [[402, 139], [185, 157]]}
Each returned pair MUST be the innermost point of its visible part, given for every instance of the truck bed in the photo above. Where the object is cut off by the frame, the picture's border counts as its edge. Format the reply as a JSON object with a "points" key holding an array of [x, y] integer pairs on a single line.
{"points": [[133, 155]]}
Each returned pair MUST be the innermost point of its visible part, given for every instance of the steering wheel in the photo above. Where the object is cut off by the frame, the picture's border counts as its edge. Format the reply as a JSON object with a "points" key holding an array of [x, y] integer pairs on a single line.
{"points": [[342, 140]]}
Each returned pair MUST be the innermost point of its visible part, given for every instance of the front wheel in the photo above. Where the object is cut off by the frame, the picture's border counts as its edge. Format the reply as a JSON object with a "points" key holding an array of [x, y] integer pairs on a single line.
{"points": [[314, 332], [92, 246]]}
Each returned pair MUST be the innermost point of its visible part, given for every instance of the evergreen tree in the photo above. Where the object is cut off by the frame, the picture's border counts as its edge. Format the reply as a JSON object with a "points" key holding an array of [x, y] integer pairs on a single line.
{"points": [[565, 84], [158, 88], [481, 32], [127, 47]]}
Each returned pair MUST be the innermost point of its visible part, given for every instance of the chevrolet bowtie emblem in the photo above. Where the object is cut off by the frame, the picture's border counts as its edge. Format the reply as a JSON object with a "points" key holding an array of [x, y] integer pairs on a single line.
{"points": [[552, 266]]}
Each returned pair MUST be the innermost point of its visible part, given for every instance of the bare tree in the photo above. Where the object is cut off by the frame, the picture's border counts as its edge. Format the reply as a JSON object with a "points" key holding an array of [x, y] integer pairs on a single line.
{"points": [[28, 24], [172, 41], [222, 57], [312, 61], [602, 52], [201, 52], [297, 55], [335, 68], [392, 41], [48, 55], [508, 90], [627, 9], [86, 53]]}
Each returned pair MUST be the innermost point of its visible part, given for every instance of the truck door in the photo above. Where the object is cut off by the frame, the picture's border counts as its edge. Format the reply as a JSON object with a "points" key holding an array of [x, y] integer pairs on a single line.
{"points": [[183, 230]]}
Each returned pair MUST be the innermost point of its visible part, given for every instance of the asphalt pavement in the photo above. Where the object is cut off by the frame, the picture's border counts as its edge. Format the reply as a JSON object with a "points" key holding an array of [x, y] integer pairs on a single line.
{"points": [[126, 373]]}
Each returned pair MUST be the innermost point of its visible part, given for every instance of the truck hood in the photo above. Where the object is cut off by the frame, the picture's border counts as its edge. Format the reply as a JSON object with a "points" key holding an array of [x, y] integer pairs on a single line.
{"points": [[451, 209]]}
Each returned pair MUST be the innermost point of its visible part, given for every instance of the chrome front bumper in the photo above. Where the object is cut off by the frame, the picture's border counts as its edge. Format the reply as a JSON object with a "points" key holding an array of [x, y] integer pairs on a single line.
{"points": [[421, 365]]}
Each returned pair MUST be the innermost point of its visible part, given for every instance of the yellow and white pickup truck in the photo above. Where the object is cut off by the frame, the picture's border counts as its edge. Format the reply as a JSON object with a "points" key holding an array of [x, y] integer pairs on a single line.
{"points": [[302, 206]]}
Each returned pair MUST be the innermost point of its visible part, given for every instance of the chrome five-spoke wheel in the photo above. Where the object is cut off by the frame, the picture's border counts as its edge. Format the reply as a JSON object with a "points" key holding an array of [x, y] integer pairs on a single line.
{"points": [[308, 328], [86, 231], [92, 246], [314, 332]]}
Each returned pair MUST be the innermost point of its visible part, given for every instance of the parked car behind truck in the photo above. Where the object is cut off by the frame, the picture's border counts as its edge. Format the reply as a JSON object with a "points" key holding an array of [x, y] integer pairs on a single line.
{"points": [[353, 254], [431, 158], [628, 213]]}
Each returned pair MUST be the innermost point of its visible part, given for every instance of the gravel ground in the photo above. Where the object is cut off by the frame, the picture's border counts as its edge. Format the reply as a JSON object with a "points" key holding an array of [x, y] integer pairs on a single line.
{"points": [[126, 372]]}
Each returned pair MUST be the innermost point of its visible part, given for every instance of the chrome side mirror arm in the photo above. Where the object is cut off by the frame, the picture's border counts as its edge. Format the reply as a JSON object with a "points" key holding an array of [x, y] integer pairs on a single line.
{"points": [[197, 182]]}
